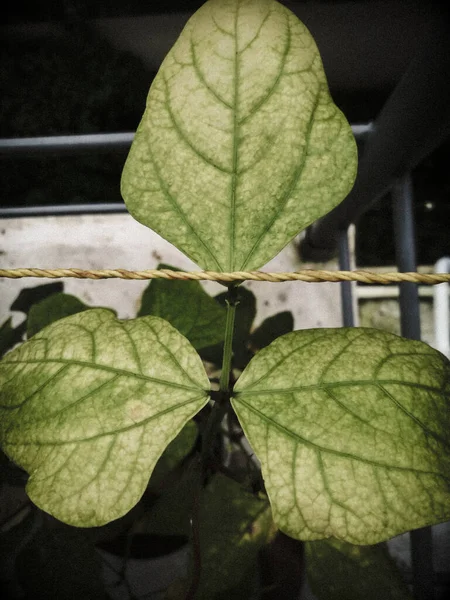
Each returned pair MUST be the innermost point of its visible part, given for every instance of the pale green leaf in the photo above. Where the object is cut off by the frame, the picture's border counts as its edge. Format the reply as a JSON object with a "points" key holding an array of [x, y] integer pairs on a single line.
{"points": [[240, 146], [338, 570], [89, 404], [352, 427], [187, 307]]}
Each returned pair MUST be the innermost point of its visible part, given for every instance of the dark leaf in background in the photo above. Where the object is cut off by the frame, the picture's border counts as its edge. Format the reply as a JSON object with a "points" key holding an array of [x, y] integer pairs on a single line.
{"points": [[10, 336], [55, 307], [270, 329], [29, 296], [187, 307]]}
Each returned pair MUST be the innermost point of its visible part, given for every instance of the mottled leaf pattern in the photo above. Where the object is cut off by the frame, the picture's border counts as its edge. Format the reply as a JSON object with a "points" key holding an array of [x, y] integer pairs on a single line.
{"points": [[240, 146], [88, 405], [352, 427]]}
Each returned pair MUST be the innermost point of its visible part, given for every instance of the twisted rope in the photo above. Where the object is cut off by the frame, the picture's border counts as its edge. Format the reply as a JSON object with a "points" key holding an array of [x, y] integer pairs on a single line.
{"points": [[307, 275]]}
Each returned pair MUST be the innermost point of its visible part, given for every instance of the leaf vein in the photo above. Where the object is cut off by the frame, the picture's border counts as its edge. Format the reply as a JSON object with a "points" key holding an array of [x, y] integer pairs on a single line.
{"points": [[300, 439]]}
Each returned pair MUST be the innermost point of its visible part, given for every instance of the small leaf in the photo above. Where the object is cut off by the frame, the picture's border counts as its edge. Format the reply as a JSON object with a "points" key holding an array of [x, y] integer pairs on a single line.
{"points": [[186, 306], [89, 404], [245, 315], [29, 296], [272, 328], [240, 146], [339, 570], [51, 309], [352, 429]]}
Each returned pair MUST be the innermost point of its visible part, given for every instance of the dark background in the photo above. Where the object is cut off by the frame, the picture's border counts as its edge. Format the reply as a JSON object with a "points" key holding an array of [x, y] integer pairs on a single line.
{"points": [[77, 66]]}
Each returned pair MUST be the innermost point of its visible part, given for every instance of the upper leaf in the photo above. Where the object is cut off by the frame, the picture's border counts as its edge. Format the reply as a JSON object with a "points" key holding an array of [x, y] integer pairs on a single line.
{"points": [[352, 428], [88, 405], [187, 307], [240, 146]]}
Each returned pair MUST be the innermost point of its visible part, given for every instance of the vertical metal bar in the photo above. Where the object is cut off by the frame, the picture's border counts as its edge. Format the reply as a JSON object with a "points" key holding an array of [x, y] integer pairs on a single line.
{"points": [[405, 251], [414, 121], [348, 317], [402, 195], [441, 309]]}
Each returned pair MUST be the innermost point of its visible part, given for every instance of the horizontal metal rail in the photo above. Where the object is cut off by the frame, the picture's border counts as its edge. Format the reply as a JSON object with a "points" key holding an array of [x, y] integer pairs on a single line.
{"points": [[75, 145], [95, 142], [65, 144], [62, 210]]}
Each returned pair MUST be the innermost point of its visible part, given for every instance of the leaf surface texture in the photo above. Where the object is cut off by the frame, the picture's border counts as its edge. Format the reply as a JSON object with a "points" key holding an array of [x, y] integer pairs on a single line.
{"points": [[352, 430], [240, 146], [89, 404]]}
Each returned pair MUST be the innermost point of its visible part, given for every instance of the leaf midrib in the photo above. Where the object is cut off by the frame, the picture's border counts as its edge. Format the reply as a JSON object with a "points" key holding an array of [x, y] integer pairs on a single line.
{"points": [[115, 432], [234, 165]]}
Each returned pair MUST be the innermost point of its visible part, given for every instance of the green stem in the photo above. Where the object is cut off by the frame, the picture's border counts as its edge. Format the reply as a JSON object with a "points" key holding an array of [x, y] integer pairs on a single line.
{"points": [[220, 406], [228, 345], [212, 426]]}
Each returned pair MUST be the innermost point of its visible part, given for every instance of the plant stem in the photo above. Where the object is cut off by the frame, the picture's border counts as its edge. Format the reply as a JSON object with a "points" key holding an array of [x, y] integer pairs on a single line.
{"points": [[212, 425], [228, 344], [220, 406]]}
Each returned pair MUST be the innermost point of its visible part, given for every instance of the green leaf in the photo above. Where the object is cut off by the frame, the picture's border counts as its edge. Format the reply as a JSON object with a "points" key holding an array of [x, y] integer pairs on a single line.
{"points": [[240, 146], [272, 328], [187, 307], [245, 315], [29, 296], [352, 429], [51, 309], [339, 570], [233, 526], [89, 404]]}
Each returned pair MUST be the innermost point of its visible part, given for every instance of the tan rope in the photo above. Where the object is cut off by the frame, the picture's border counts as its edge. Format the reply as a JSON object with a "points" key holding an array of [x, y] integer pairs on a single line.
{"points": [[308, 275]]}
